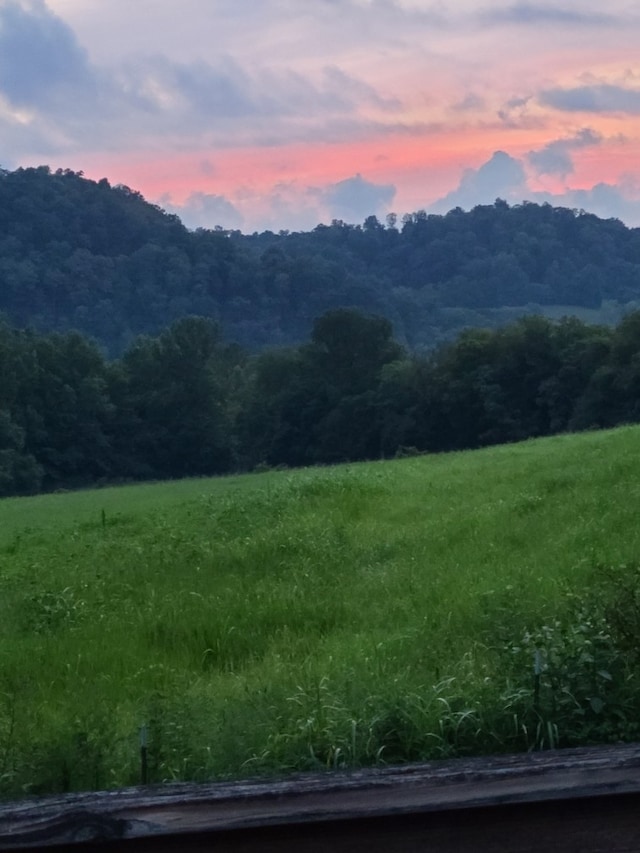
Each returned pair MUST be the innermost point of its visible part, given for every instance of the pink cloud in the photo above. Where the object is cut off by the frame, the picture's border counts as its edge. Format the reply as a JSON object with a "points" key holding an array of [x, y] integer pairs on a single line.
{"points": [[259, 109]]}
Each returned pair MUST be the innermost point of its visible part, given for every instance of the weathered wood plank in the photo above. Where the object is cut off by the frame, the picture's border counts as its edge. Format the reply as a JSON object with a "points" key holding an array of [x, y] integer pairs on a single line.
{"points": [[586, 799]]}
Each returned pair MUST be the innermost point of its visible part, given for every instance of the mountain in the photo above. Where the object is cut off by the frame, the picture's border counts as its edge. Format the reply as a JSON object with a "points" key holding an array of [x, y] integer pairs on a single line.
{"points": [[85, 255]]}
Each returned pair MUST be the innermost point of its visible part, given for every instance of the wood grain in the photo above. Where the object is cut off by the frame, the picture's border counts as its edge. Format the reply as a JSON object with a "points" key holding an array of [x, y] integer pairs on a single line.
{"points": [[585, 799]]}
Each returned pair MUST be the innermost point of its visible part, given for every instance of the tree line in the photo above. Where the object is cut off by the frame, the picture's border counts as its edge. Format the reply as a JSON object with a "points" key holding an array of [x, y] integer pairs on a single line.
{"points": [[187, 403], [85, 255]]}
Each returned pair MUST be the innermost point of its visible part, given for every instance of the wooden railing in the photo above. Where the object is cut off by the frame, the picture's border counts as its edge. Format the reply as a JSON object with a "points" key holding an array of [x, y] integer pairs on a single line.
{"points": [[572, 800]]}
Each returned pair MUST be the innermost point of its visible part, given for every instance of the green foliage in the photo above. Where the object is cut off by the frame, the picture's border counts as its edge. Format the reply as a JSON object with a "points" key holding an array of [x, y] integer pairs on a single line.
{"points": [[179, 401], [172, 391], [76, 254], [318, 403], [188, 404]]}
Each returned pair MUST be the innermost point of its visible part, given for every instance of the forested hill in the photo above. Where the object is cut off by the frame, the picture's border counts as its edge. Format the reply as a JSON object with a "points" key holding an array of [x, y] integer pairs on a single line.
{"points": [[88, 256]]}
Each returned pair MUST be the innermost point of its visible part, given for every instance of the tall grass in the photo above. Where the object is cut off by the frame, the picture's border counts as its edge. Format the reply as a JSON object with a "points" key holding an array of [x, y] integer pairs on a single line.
{"points": [[327, 618]]}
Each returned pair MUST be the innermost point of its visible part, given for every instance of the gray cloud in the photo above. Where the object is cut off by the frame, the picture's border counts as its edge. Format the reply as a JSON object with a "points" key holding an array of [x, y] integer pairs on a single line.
{"points": [[265, 32], [596, 98], [503, 176], [40, 59], [357, 90], [514, 112], [73, 104], [469, 103], [199, 76], [227, 91], [206, 210], [167, 88], [539, 14], [555, 158], [356, 198], [286, 205], [16, 138], [292, 207], [500, 177], [609, 201]]}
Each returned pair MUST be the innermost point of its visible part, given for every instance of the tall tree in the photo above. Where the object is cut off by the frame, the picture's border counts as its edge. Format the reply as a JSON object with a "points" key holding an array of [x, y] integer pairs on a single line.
{"points": [[173, 392]]}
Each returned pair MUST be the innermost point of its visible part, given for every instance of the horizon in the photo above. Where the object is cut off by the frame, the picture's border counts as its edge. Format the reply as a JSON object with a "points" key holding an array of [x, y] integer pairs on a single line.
{"points": [[281, 116]]}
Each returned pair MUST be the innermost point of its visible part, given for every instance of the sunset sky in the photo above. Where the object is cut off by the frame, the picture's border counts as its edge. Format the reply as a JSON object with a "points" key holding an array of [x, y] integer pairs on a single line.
{"points": [[257, 114]]}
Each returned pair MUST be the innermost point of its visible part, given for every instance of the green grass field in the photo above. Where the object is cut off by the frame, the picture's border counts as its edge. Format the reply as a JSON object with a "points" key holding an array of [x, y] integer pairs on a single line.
{"points": [[322, 618]]}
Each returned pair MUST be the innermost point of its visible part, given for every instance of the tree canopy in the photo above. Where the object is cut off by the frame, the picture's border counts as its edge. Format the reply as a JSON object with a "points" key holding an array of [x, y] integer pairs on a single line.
{"points": [[85, 255], [186, 403]]}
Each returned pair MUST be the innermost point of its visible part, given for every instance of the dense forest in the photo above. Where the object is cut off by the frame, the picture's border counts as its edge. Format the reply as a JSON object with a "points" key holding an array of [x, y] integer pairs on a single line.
{"points": [[83, 255], [188, 403], [132, 348]]}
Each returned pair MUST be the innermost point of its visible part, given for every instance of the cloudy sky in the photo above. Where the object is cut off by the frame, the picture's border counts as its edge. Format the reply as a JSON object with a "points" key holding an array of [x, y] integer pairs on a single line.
{"points": [[257, 114]]}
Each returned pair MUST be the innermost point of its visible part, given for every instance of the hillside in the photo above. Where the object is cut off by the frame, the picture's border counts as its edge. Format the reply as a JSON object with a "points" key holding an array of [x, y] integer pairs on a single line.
{"points": [[325, 618], [76, 254]]}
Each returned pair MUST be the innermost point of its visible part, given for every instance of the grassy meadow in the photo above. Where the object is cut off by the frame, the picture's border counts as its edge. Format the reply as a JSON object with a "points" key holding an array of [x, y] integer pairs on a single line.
{"points": [[423, 608]]}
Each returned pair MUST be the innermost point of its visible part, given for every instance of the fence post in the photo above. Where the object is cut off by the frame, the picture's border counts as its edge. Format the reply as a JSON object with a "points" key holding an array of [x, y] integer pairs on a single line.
{"points": [[537, 669], [143, 756]]}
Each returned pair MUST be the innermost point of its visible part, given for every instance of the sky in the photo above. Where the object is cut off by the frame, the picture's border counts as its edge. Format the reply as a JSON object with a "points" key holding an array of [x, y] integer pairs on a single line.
{"points": [[280, 114]]}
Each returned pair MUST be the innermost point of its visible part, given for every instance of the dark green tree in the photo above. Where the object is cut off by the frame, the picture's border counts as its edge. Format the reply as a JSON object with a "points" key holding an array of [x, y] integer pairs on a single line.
{"points": [[172, 391]]}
